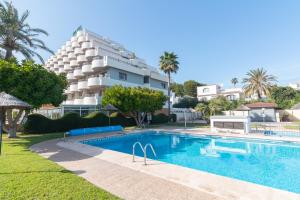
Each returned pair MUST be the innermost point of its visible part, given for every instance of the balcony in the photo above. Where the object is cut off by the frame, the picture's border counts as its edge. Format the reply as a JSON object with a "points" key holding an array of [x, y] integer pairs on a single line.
{"points": [[73, 39], [71, 56], [78, 73], [64, 53], [68, 44], [58, 56], [70, 76], [90, 100], [67, 67], [81, 39], [61, 70], [75, 44], [63, 48], [97, 64], [55, 66], [86, 69], [86, 45], [94, 82], [73, 63], [69, 49], [90, 53], [78, 51], [67, 91], [73, 87], [60, 63], [82, 85], [81, 59], [78, 101], [66, 60]]}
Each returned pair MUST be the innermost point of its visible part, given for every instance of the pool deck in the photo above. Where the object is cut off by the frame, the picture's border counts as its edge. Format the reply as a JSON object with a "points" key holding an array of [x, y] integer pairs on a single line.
{"points": [[116, 173]]}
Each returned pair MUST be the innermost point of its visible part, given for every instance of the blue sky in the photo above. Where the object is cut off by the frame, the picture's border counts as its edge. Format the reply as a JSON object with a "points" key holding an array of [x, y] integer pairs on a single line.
{"points": [[215, 40]]}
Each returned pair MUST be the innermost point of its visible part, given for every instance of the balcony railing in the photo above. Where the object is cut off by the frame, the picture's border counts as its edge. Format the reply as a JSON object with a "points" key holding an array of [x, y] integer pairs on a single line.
{"points": [[75, 44], [94, 82], [67, 67], [90, 53], [86, 69], [97, 64], [71, 56], [70, 76], [73, 63], [78, 73], [73, 87], [78, 51], [82, 85], [66, 60], [89, 100], [81, 58], [86, 45]]}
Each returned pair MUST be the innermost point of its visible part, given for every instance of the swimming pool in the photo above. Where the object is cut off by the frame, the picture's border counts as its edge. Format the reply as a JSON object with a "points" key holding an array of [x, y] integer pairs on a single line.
{"points": [[269, 163]]}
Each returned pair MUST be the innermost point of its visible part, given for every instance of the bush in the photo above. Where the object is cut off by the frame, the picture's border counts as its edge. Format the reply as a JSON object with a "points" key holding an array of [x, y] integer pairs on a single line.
{"points": [[173, 118], [37, 123], [159, 119]]}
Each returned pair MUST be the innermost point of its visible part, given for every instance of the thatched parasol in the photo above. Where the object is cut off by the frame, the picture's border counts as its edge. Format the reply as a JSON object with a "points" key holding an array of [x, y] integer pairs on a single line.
{"points": [[109, 108], [9, 102]]}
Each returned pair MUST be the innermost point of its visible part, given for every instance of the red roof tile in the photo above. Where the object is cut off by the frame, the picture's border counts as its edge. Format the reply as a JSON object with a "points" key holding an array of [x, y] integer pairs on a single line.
{"points": [[262, 105]]}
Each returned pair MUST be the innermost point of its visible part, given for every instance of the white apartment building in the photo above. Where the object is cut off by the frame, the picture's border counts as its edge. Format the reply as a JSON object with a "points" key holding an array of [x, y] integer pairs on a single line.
{"points": [[208, 92], [92, 63]]}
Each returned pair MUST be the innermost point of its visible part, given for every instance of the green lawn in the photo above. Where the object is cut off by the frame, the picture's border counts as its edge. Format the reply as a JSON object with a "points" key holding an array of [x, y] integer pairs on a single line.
{"points": [[26, 175]]}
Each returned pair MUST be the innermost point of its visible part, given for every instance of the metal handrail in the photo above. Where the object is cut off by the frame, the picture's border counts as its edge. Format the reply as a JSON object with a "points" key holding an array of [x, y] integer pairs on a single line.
{"points": [[145, 152], [133, 149]]}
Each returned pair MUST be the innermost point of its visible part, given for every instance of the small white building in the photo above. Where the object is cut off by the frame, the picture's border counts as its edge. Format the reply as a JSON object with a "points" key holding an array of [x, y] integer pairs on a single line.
{"points": [[208, 92]]}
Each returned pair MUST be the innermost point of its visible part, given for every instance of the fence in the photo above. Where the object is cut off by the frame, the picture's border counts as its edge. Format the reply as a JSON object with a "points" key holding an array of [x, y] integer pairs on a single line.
{"points": [[276, 128]]}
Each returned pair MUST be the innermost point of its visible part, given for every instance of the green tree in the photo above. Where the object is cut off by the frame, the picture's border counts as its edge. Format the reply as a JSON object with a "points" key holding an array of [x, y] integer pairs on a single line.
{"points": [[169, 64], [190, 88], [204, 109], [186, 102], [219, 104], [177, 89], [32, 83], [258, 82], [134, 101], [17, 35], [234, 81], [284, 97]]}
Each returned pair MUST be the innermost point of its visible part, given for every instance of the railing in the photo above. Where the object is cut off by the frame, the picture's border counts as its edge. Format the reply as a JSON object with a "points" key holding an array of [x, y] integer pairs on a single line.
{"points": [[289, 129], [144, 150]]}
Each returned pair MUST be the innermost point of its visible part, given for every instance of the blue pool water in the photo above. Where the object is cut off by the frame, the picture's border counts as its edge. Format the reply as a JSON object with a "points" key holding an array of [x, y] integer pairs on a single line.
{"points": [[273, 164]]}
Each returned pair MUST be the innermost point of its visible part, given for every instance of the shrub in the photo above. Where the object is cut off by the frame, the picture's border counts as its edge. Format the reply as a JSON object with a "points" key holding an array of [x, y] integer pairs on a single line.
{"points": [[173, 117], [159, 119], [37, 123], [119, 119]]}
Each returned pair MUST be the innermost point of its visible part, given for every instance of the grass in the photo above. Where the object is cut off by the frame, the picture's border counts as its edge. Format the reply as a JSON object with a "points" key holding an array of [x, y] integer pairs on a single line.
{"points": [[26, 175]]}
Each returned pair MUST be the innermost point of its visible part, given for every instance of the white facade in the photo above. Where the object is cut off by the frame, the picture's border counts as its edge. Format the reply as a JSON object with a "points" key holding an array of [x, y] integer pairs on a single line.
{"points": [[91, 63], [208, 92]]}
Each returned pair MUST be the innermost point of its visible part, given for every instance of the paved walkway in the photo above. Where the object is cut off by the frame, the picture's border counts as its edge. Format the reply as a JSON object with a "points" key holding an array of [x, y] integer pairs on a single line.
{"points": [[121, 181]]}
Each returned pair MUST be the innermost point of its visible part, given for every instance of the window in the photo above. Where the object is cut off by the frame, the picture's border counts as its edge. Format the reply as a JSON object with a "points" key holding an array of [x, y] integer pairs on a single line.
{"points": [[205, 90], [146, 79], [163, 85], [122, 76]]}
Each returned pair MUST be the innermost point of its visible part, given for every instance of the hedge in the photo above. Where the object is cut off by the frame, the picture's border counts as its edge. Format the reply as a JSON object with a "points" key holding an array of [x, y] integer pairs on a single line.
{"points": [[159, 119], [37, 123]]}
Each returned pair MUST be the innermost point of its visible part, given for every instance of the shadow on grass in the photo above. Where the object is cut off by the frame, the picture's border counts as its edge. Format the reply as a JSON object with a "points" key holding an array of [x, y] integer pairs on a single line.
{"points": [[41, 171]]}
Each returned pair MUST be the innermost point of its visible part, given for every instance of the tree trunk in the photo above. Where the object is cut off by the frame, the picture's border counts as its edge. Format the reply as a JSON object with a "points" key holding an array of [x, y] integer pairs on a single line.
{"points": [[258, 95], [169, 94], [11, 129], [8, 54], [139, 118]]}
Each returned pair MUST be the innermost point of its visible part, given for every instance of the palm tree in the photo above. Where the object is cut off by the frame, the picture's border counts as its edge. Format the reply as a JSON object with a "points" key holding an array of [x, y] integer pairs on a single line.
{"points": [[258, 82], [16, 35], [169, 64], [234, 81]]}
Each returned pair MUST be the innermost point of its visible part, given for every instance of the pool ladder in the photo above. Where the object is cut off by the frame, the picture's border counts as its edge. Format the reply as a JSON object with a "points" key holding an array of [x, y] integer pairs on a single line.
{"points": [[144, 150]]}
